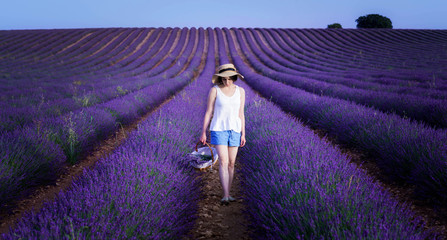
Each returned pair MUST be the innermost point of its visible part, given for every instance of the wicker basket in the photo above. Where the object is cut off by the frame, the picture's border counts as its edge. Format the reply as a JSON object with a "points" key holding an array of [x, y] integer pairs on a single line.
{"points": [[196, 157]]}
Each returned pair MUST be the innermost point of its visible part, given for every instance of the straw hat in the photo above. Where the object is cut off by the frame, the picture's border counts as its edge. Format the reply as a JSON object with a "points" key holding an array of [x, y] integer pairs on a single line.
{"points": [[225, 70]]}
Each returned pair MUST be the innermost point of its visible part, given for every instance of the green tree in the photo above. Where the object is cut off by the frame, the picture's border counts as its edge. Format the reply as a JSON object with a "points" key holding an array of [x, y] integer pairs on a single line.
{"points": [[334, 25], [373, 21]]}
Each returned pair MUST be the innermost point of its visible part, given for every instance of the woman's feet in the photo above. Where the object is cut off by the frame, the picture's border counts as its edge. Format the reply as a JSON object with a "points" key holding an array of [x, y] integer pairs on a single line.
{"points": [[224, 201], [227, 200]]}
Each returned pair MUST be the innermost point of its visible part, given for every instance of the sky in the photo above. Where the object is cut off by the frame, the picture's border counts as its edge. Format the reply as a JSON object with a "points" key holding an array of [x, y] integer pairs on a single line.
{"points": [[57, 14]]}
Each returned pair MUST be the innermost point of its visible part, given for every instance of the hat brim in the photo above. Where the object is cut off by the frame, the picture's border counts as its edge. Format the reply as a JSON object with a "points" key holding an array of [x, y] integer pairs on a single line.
{"points": [[225, 74]]}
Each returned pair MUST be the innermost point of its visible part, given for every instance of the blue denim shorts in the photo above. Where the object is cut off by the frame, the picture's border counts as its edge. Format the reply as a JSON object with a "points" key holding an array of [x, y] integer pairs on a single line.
{"points": [[229, 138]]}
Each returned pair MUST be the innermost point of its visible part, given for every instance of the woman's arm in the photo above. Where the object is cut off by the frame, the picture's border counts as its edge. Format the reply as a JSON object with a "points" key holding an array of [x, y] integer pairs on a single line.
{"points": [[209, 111], [242, 117]]}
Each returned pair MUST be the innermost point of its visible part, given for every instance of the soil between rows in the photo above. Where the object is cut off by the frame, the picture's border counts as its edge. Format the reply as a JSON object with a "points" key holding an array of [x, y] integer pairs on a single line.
{"points": [[216, 221]]}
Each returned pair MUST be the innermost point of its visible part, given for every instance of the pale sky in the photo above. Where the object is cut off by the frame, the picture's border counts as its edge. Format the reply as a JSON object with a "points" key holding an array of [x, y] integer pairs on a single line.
{"points": [[52, 14]]}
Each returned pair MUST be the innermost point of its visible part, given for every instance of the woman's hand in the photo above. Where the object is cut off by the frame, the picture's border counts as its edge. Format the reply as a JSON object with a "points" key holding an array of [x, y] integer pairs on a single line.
{"points": [[243, 141], [203, 138]]}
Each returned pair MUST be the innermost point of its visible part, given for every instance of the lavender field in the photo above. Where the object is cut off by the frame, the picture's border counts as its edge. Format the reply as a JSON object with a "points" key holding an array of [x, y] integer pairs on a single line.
{"points": [[382, 92]]}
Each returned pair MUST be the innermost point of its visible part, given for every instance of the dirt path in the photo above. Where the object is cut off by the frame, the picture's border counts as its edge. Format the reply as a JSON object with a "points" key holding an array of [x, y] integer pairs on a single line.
{"points": [[218, 221]]}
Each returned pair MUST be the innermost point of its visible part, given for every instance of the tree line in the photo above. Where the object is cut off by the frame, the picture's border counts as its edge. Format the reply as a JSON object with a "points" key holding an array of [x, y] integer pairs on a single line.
{"points": [[368, 21]]}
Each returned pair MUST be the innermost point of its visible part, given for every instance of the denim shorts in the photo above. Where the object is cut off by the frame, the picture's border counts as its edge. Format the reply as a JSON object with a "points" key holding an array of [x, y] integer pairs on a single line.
{"points": [[228, 138]]}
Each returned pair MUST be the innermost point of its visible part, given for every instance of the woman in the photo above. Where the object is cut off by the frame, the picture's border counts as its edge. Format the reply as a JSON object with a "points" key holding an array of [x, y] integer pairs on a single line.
{"points": [[226, 108]]}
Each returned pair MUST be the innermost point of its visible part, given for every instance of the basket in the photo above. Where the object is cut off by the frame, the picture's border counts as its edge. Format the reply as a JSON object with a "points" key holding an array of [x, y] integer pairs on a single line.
{"points": [[203, 158]]}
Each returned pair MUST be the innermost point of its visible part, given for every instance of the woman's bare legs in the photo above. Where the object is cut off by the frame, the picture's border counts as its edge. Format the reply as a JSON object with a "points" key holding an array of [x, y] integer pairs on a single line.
{"points": [[227, 159], [232, 152], [222, 150]]}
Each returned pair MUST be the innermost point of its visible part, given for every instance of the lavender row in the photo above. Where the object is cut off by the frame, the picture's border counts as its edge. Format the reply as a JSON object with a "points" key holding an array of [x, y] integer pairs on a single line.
{"points": [[164, 61], [87, 46], [13, 40], [90, 42], [142, 190], [165, 68], [43, 67], [303, 47], [131, 50], [348, 77], [306, 55], [140, 64], [113, 89], [110, 48], [314, 86], [373, 46], [52, 48], [293, 67], [298, 186], [108, 72], [10, 40], [72, 67], [57, 58], [311, 58], [432, 111], [313, 42], [298, 41], [40, 53], [45, 54], [424, 59], [222, 53], [12, 44], [112, 53], [390, 76], [27, 159], [163, 42], [68, 63], [385, 39], [75, 133], [143, 69], [404, 150], [356, 63], [147, 51]]}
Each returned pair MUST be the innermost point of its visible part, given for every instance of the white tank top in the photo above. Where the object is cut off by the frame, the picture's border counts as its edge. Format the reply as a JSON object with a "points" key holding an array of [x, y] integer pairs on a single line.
{"points": [[226, 112]]}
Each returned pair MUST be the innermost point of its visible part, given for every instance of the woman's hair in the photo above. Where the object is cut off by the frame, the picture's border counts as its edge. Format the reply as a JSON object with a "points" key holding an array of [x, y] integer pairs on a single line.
{"points": [[219, 79]]}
